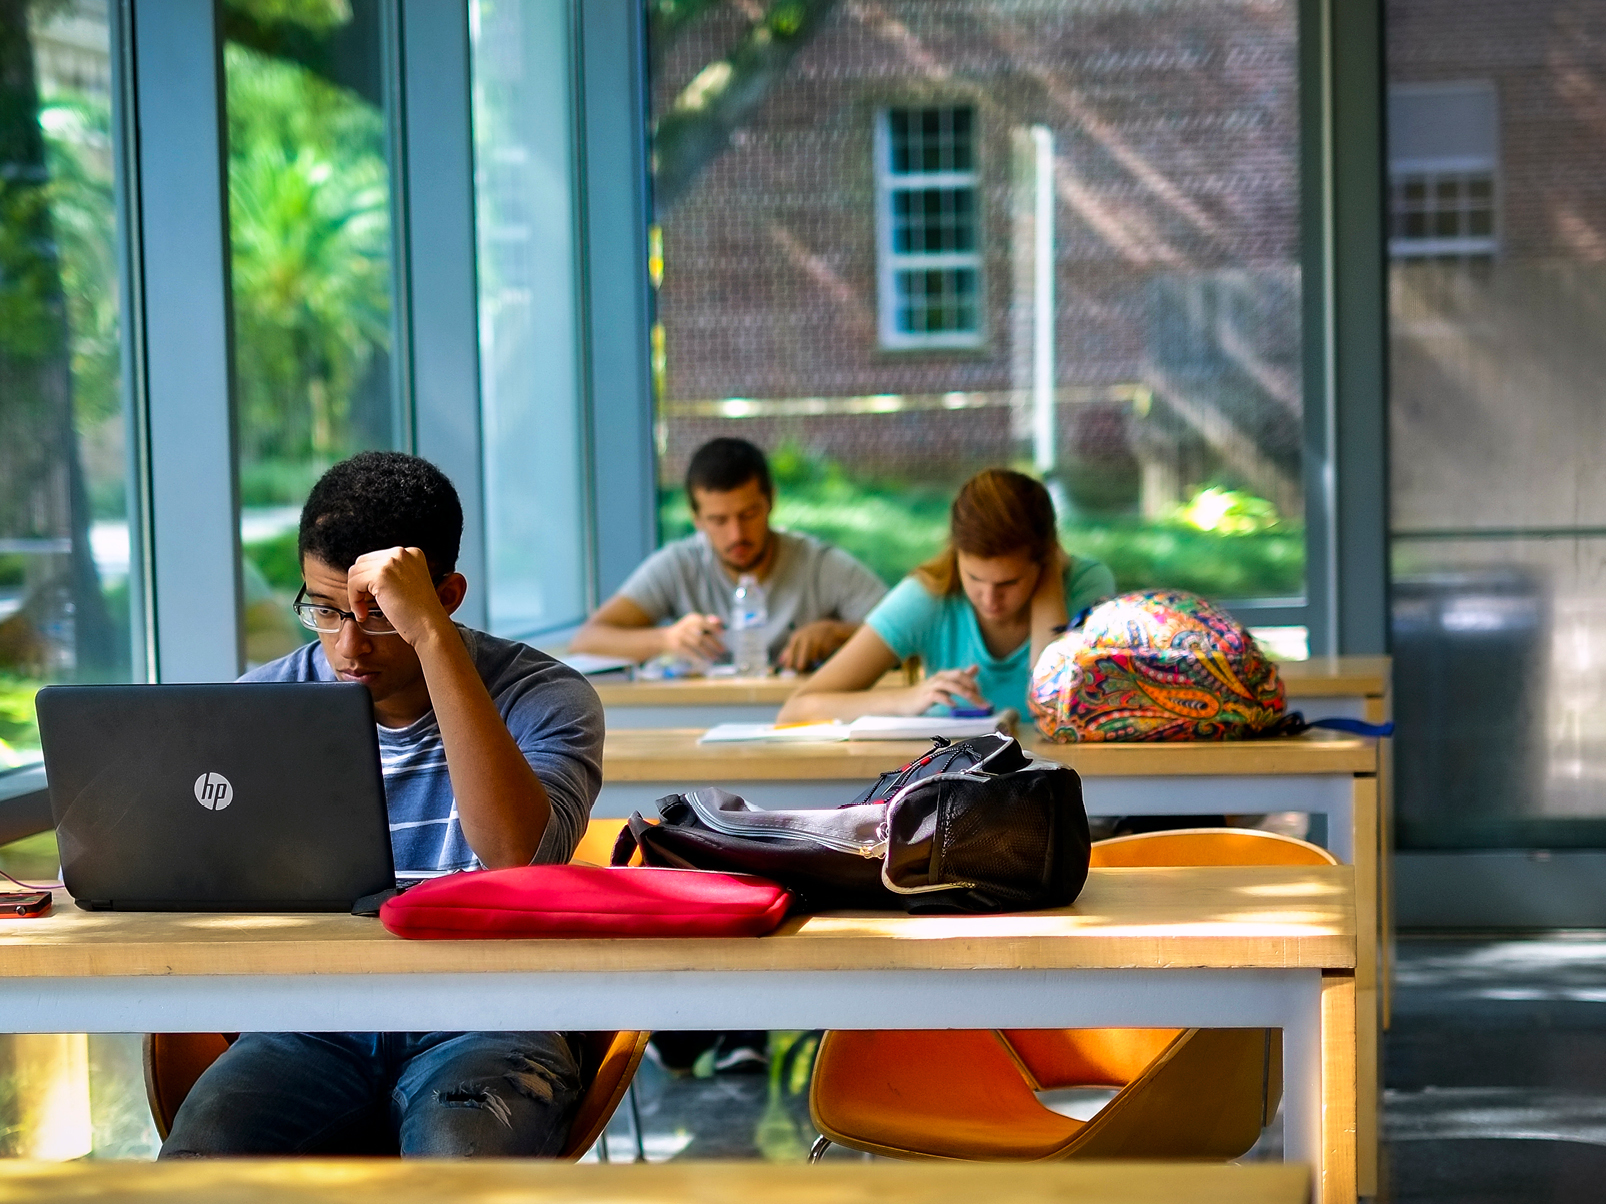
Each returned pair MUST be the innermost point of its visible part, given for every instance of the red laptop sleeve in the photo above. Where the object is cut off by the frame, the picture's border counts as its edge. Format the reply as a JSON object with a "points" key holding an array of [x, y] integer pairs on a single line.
{"points": [[586, 900]]}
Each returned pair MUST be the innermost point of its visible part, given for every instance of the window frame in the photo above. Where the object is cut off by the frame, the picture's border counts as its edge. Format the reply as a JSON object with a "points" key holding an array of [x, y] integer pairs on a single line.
{"points": [[890, 261]]}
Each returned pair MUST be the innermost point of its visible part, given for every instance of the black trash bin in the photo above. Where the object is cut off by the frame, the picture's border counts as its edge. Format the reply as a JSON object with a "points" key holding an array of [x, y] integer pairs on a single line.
{"points": [[1471, 663]]}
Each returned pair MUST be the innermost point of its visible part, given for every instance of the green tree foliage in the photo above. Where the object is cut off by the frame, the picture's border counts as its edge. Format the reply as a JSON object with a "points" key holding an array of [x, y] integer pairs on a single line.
{"points": [[310, 227], [43, 494], [83, 210], [698, 126]]}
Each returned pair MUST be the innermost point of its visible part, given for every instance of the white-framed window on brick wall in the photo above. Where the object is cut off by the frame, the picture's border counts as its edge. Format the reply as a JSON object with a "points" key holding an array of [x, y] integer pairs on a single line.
{"points": [[928, 227], [1444, 169]]}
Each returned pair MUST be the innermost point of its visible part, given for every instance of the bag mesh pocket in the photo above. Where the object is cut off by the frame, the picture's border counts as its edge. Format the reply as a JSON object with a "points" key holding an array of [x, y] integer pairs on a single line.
{"points": [[1003, 839]]}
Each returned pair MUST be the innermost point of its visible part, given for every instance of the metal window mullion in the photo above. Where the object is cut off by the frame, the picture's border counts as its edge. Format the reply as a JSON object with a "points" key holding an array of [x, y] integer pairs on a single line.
{"points": [[886, 273], [402, 424], [181, 296], [442, 329], [1359, 400], [615, 209], [136, 416]]}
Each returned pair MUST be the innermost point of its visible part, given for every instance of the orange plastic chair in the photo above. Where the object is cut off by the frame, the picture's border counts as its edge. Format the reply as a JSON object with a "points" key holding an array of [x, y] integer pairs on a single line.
{"points": [[969, 1094], [174, 1061], [596, 846]]}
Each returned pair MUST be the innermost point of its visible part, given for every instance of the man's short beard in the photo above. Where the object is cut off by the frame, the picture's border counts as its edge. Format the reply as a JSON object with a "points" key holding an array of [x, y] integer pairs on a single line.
{"points": [[753, 561]]}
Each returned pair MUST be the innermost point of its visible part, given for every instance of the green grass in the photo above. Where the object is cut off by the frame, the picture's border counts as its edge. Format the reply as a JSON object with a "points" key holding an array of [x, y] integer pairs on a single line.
{"points": [[33, 858], [892, 529], [277, 560], [279, 482], [18, 727]]}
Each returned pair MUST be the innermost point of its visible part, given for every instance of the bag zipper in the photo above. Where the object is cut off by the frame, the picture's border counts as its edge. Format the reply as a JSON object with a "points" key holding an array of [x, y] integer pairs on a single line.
{"points": [[726, 828]]}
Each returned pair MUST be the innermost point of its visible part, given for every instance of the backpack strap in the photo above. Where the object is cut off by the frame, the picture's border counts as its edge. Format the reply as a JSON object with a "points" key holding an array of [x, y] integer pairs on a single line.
{"points": [[1293, 723]]}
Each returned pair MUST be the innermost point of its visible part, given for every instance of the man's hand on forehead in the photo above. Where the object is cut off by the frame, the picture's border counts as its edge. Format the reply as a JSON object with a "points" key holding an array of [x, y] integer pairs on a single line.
{"points": [[397, 581]]}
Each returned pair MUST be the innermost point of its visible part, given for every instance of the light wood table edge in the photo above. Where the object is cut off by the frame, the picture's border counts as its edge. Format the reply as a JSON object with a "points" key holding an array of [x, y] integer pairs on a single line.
{"points": [[413, 1181], [673, 754], [1319, 677], [1205, 917]]}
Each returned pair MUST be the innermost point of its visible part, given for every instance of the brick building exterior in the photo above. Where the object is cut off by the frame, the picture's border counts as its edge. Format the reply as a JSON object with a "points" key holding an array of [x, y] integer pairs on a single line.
{"points": [[1177, 338]]}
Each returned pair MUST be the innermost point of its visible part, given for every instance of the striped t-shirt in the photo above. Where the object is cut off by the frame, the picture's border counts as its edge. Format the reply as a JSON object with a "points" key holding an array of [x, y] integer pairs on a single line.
{"points": [[554, 716]]}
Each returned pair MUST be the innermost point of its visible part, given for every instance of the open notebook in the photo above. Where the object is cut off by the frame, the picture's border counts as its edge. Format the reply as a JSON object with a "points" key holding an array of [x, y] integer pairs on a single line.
{"points": [[868, 727]]}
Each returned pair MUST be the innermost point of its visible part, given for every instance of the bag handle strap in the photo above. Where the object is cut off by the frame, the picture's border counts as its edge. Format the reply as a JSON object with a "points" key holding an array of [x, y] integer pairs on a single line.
{"points": [[1293, 723], [629, 840]]}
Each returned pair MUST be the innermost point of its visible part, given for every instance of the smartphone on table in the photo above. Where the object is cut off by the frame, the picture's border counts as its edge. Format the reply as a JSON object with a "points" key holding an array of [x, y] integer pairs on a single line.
{"points": [[24, 904]]}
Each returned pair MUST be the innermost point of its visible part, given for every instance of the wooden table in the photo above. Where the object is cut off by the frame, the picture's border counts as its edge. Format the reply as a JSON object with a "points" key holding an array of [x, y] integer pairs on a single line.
{"points": [[1356, 687], [1214, 947], [1322, 773], [704, 701], [391, 1181]]}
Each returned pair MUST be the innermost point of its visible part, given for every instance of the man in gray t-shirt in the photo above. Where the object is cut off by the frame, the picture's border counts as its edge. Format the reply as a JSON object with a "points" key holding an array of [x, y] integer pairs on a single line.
{"points": [[679, 600]]}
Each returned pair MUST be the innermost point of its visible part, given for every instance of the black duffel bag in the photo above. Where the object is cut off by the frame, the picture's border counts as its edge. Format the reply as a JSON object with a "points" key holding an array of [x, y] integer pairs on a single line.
{"points": [[973, 826]]}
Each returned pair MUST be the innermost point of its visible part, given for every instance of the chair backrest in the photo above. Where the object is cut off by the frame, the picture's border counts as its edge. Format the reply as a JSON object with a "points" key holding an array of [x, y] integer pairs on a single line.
{"points": [[1087, 1057], [1208, 1095], [1208, 846], [616, 1057], [957, 1093], [966, 1094]]}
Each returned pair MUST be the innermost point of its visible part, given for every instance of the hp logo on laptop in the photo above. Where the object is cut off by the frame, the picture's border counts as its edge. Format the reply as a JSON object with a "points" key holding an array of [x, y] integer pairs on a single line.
{"points": [[213, 791]]}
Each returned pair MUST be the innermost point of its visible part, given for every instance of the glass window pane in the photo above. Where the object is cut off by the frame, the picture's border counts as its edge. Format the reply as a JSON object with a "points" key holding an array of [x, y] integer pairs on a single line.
{"points": [[793, 280], [65, 550], [311, 257], [1497, 490], [534, 439], [67, 611]]}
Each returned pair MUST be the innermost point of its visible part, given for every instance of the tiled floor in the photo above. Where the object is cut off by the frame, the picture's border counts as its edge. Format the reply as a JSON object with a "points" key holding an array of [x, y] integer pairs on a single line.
{"points": [[1495, 1072]]}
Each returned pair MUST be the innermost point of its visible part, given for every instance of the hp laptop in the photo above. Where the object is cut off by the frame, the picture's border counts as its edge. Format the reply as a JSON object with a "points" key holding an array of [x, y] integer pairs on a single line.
{"points": [[238, 797]]}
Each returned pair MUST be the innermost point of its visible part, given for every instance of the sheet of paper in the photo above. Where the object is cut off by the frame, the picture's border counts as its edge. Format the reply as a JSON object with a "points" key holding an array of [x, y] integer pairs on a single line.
{"points": [[924, 727], [786, 733], [589, 663]]}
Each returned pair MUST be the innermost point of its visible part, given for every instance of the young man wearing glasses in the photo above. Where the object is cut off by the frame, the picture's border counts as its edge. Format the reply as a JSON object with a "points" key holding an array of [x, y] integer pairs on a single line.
{"points": [[492, 757]]}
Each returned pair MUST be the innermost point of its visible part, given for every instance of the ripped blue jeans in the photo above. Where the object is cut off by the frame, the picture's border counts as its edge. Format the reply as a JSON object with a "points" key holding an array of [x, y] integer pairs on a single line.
{"points": [[423, 1095]]}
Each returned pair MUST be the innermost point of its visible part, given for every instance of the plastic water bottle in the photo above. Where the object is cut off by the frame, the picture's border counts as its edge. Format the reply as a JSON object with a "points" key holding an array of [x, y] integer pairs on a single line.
{"points": [[749, 613]]}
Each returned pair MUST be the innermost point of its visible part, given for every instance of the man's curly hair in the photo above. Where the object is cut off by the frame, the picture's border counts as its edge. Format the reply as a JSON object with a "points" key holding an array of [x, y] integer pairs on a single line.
{"points": [[378, 500]]}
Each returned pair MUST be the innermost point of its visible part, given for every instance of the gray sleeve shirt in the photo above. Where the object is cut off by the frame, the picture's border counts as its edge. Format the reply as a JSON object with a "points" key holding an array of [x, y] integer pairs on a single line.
{"points": [[810, 580]]}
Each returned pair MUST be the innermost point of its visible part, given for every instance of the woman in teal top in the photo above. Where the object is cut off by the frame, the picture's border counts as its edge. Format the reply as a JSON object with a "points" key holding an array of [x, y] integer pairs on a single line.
{"points": [[978, 615]]}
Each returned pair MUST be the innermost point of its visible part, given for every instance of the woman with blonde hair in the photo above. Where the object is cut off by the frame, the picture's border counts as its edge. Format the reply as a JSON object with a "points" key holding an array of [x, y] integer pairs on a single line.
{"points": [[978, 614]]}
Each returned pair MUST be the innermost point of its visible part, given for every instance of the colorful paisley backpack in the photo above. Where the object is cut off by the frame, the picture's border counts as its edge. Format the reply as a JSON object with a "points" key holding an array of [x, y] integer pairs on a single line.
{"points": [[1157, 665]]}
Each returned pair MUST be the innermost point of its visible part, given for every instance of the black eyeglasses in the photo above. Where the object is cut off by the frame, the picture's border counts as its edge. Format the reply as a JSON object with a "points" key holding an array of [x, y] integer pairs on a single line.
{"points": [[328, 619]]}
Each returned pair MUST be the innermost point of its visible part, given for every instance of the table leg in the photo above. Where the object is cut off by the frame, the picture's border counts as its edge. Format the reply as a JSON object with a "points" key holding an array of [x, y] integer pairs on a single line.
{"points": [[1385, 827], [1380, 709], [1337, 1183], [1367, 914], [1368, 1095]]}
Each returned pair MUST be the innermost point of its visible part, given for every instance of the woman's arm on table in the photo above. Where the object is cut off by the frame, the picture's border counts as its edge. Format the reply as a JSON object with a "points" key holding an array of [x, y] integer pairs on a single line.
{"points": [[841, 689]]}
